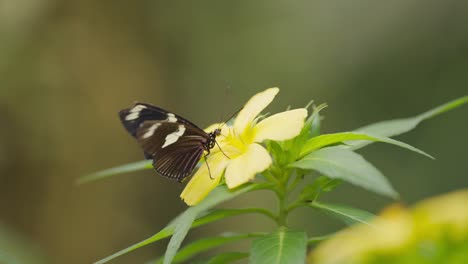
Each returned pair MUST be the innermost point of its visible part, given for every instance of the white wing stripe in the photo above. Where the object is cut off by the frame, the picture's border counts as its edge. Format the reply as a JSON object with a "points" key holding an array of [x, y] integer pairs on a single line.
{"points": [[174, 136], [171, 118], [151, 130], [135, 112]]}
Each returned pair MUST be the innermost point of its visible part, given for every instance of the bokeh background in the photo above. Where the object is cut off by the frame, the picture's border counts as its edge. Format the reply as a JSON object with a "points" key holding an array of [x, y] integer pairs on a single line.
{"points": [[68, 67]]}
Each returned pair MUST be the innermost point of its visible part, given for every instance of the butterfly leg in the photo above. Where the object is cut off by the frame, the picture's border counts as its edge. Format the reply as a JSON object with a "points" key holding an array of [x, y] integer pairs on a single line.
{"points": [[222, 150], [208, 166]]}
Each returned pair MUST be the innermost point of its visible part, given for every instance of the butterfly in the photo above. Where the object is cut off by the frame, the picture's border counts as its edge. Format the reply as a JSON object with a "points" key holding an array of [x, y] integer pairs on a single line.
{"points": [[173, 143]]}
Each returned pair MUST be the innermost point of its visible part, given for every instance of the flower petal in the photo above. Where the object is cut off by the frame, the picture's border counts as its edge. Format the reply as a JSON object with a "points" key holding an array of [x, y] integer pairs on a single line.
{"points": [[281, 126], [244, 167], [201, 184], [253, 107]]}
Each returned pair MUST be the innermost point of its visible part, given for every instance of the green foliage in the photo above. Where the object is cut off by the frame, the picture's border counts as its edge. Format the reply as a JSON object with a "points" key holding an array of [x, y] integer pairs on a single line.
{"points": [[344, 164], [346, 214], [226, 257], [282, 246], [130, 167], [321, 141], [208, 243], [331, 155], [397, 127], [185, 221], [320, 185]]}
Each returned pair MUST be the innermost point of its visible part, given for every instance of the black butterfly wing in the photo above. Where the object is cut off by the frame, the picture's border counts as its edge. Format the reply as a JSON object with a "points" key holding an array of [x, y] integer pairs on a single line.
{"points": [[175, 148], [175, 144], [133, 118]]}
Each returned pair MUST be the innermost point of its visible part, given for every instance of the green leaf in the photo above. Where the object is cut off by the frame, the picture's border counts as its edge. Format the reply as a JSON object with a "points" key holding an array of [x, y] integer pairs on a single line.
{"points": [[276, 151], [396, 127], [184, 222], [208, 243], [318, 239], [332, 139], [327, 184], [130, 167], [228, 257], [220, 214], [290, 149], [340, 163], [220, 194], [346, 214], [282, 246], [311, 126], [320, 185], [182, 227], [315, 125], [166, 232]]}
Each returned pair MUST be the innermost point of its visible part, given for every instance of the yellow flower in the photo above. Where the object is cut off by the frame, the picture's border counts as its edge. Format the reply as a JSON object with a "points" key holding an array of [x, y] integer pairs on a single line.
{"points": [[241, 144], [388, 233], [401, 235]]}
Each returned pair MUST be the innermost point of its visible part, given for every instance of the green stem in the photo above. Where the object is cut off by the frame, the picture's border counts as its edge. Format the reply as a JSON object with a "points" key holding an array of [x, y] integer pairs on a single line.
{"points": [[283, 214], [284, 187], [282, 199]]}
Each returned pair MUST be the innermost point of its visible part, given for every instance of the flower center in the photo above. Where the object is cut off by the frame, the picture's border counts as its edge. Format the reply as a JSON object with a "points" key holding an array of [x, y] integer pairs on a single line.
{"points": [[235, 144]]}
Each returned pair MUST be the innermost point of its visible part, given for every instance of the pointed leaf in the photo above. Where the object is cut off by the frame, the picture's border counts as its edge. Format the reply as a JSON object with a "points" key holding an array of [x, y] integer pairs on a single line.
{"points": [[312, 125], [212, 216], [184, 222], [130, 167], [332, 139], [219, 214], [315, 126], [207, 243], [228, 257], [221, 194], [291, 148], [346, 214], [276, 151], [318, 239], [166, 232], [321, 184], [396, 127], [181, 229], [340, 163], [280, 247]]}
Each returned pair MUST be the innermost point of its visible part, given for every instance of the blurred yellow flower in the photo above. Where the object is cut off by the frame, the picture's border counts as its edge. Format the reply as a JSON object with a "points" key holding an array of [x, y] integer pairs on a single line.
{"points": [[404, 236], [241, 144]]}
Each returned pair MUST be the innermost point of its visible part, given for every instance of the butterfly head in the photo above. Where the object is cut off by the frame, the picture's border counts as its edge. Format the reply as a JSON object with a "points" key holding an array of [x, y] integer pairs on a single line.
{"points": [[212, 137]]}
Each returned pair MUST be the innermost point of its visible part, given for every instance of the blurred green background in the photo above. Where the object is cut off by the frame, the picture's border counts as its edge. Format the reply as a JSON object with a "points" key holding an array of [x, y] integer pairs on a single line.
{"points": [[68, 67]]}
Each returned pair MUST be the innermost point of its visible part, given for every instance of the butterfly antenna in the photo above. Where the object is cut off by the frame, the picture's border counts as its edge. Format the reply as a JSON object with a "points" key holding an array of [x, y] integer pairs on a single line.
{"points": [[227, 120], [208, 166]]}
